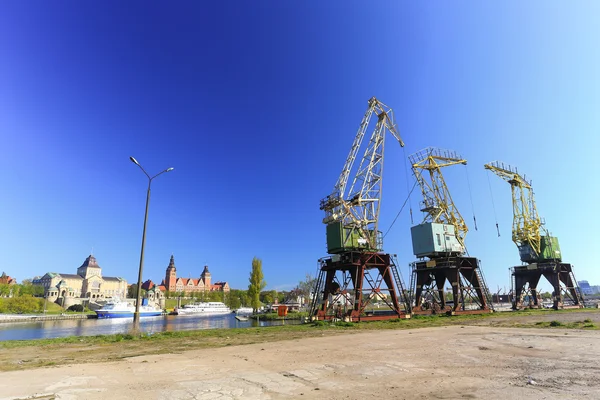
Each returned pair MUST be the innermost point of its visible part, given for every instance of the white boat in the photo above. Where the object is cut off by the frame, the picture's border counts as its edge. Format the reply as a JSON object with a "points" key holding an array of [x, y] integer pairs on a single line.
{"points": [[244, 311], [122, 309], [208, 308]]}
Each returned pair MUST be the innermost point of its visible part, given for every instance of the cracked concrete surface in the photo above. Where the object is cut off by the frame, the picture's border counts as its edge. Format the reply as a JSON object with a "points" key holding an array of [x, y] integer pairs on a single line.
{"points": [[432, 363]]}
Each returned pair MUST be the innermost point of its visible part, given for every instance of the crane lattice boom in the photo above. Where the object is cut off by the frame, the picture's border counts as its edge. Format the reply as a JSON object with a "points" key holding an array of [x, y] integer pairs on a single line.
{"points": [[438, 205], [356, 211], [526, 221]]}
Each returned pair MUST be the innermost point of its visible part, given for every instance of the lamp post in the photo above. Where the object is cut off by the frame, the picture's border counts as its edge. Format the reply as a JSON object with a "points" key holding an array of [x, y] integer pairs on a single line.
{"points": [[136, 314]]}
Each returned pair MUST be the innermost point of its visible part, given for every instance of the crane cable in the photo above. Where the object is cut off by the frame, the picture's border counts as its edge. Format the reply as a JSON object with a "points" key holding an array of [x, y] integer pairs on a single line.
{"points": [[409, 192], [402, 208], [471, 197], [493, 205]]}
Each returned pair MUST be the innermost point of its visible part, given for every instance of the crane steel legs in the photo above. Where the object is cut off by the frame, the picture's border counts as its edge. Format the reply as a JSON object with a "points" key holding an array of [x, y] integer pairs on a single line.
{"points": [[525, 280], [470, 294], [359, 286]]}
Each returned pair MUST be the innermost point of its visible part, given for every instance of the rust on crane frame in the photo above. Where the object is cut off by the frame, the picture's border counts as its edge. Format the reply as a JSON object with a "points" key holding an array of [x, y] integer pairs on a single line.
{"points": [[565, 291], [349, 282], [469, 292]]}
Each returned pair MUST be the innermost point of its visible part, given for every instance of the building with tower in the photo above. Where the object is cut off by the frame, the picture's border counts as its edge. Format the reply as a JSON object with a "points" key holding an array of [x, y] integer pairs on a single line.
{"points": [[204, 283], [88, 283]]}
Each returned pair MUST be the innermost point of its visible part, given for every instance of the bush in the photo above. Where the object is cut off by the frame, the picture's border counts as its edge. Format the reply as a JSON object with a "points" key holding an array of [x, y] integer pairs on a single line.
{"points": [[23, 304], [76, 308]]}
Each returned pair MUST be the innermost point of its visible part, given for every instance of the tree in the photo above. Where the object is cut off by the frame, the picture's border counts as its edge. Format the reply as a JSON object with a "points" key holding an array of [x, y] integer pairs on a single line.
{"points": [[233, 299], [257, 283], [267, 297], [306, 287], [282, 296], [4, 289], [132, 291], [546, 296]]}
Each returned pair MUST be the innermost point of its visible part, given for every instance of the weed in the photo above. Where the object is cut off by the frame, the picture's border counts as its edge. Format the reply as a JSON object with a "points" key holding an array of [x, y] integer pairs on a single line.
{"points": [[344, 324], [556, 323]]}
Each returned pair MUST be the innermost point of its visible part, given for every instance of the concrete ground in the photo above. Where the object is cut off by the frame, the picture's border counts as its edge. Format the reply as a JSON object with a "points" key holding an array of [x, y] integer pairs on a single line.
{"points": [[454, 362]]}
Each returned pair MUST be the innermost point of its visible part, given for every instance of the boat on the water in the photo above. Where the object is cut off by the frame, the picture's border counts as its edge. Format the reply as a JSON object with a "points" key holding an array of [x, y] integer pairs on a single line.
{"points": [[203, 308], [244, 311], [123, 309]]}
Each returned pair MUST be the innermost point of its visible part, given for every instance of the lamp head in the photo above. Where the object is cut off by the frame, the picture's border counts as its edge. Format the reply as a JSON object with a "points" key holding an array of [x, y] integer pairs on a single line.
{"points": [[133, 160], [169, 169]]}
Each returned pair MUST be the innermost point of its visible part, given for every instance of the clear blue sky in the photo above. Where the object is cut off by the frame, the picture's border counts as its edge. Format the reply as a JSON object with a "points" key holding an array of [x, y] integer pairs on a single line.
{"points": [[255, 105]]}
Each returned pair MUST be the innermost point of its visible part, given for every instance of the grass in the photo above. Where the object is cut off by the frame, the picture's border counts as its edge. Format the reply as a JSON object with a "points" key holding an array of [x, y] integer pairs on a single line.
{"points": [[275, 317], [585, 324]]}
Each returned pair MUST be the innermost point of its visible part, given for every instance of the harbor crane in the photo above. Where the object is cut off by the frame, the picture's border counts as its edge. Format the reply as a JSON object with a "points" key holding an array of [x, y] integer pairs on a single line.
{"points": [[439, 243], [538, 250], [357, 269]]}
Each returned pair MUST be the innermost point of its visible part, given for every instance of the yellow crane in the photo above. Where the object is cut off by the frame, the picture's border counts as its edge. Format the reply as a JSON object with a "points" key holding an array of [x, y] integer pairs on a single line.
{"points": [[439, 243], [438, 206], [533, 241], [537, 249]]}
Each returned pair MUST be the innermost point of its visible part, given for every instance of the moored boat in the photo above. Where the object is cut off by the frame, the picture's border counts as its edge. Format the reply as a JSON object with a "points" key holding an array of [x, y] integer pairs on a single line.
{"points": [[244, 311], [203, 308], [123, 309]]}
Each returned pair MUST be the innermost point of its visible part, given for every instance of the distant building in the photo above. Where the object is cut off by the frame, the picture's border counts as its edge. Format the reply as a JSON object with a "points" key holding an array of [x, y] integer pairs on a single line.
{"points": [[190, 285], [87, 283], [7, 280], [148, 285], [585, 287]]}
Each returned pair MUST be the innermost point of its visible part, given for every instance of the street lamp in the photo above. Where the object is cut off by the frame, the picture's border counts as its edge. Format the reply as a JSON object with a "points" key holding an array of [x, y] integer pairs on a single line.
{"points": [[136, 314]]}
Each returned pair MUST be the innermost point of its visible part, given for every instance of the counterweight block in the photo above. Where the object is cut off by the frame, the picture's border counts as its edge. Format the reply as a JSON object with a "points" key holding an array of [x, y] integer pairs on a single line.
{"points": [[350, 284], [470, 294]]}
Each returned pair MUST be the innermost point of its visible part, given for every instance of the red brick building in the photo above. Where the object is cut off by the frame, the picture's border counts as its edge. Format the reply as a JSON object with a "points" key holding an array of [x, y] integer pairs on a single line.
{"points": [[189, 285], [7, 280]]}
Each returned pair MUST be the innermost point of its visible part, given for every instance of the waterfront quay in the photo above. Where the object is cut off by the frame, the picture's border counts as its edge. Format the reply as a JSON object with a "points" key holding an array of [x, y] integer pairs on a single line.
{"points": [[11, 318]]}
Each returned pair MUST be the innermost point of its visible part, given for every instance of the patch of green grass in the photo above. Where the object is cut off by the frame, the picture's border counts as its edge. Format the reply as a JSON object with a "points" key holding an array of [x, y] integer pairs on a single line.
{"points": [[559, 324]]}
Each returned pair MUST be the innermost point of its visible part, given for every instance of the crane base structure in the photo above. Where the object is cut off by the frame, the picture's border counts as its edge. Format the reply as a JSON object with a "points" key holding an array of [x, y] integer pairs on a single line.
{"points": [[350, 283], [469, 290], [525, 279]]}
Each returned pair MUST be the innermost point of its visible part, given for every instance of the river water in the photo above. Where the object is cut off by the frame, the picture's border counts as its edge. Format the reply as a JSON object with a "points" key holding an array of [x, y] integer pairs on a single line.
{"points": [[91, 327]]}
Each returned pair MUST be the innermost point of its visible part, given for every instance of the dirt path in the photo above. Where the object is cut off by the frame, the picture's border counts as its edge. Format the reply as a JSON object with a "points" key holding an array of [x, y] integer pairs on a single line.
{"points": [[431, 363]]}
